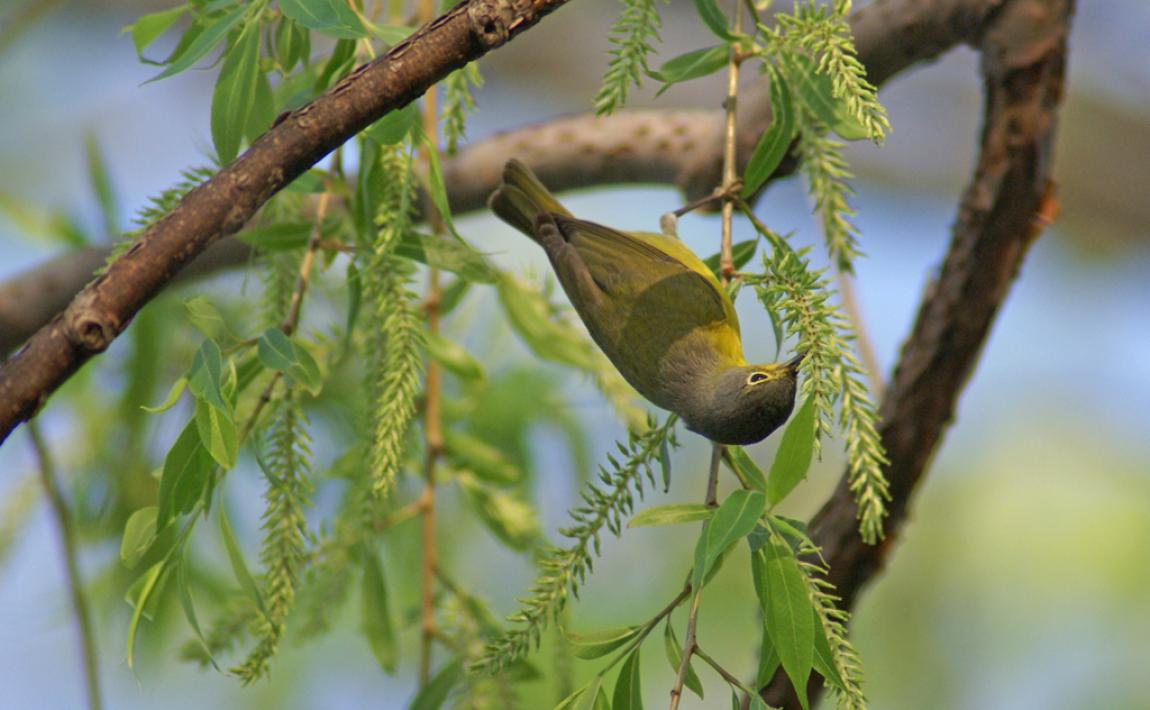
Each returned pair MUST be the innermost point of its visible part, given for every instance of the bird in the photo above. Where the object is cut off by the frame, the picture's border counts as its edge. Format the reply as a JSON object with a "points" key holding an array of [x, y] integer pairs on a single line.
{"points": [[658, 314]]}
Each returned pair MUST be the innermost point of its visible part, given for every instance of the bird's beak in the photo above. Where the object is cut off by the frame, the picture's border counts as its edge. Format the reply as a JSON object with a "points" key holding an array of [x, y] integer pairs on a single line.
{"points": [[793, 363]]}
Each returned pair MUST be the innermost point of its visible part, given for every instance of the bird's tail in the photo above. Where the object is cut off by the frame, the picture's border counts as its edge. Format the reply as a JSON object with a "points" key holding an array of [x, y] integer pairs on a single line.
{"points": [[521, 198]]}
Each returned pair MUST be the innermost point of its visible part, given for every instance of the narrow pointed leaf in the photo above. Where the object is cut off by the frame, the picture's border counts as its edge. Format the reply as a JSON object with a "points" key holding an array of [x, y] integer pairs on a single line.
{"points": [[599, 643], [691, 65], [218, 434], [236, 558], [435, 693], [713, 18], [376, 614], [139, 534], [787, 611], [671, 514], [234, 93], [628, 688], [794, 454], [735, 518], [775, 141], [213, 32], [187, 471], [334, 18], [174, 393], [749, 473], [276, 351], [675, 657]]}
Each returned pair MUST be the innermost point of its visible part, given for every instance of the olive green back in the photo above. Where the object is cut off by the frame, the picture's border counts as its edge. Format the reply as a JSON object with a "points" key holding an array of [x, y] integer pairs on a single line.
{"points": [[652, 306]]}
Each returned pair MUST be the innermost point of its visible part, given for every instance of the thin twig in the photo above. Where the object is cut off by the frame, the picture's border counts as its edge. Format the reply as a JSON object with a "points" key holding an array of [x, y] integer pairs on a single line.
{"points": [[432, 421], [291, 321], [693, 615], [727, 675], [865, 345], [67, 534], [726, 271], [301, 281]]}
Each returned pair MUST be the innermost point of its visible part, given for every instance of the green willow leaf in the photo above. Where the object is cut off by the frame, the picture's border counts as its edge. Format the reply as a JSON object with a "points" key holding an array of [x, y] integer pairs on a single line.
{"points": [[206, 317], [217, 432], [436, 185], [204, 376], [530, 316], [174, 393], [775, 141], [735, 518], [452, 255], [207, 36], [691, 65], [675, 657], [187, 472], [713, 18], [305, 370], [599, 643], [454, 357], [508, 517], [394, 126], [787, 610], [824, 660], [671, 514], [741, 253], [477, 456], [239, 565], [148, 28], [375, 616], [139, 534], [434, 694], [589, 697], [234, 93], [189, 608], [794, 454], [333, 18], [276, 351], [750, 475], [628, 688], [283, 236], [768, 656], [140, 596]]}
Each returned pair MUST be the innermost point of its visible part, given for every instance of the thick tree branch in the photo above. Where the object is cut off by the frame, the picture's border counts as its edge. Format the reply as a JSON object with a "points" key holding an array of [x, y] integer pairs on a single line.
{"points": [[671, 147], [224, 203], [1003, 210]]}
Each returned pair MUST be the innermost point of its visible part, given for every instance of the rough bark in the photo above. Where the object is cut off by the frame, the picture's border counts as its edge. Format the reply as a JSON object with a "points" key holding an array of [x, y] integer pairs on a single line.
{"points": [[1003, 210]]}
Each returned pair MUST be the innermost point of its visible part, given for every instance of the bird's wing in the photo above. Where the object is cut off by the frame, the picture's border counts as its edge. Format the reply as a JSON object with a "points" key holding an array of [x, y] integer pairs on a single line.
{"points": [[627, 264]]}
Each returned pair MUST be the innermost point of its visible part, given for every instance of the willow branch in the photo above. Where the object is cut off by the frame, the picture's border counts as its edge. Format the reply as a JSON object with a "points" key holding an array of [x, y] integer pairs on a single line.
{"points": [[671, 147], [432, 419], [223, 204], [1000, 215]]}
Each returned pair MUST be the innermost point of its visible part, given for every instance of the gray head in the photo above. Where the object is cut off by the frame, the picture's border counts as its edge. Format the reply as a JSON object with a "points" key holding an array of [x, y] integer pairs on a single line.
{"points": [[745, 404]]}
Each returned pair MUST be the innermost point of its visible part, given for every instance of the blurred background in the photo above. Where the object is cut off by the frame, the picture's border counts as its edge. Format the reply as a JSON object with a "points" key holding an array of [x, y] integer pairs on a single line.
{"points": [[1020, 580]]}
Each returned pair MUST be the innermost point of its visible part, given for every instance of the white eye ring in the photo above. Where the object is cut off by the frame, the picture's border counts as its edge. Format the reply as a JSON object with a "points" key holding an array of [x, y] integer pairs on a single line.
{"points": [[756, 378]]}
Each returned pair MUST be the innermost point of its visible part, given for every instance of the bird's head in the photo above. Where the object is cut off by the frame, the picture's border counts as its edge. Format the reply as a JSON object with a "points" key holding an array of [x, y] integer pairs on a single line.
{"points": [[746, 402]]}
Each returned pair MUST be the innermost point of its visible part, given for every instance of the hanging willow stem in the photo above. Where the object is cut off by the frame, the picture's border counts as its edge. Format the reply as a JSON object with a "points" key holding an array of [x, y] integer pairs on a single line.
{"points": [[67, 532], [432, 422], [726, 272]]}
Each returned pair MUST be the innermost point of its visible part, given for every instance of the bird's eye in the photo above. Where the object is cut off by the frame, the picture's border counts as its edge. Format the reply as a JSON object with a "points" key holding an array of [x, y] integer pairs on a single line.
{"points": [[756, 377]]}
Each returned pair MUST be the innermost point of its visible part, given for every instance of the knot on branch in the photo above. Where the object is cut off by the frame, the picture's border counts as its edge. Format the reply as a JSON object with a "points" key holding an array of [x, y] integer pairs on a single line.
{"points": [[88, 327], [492, 21]]}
